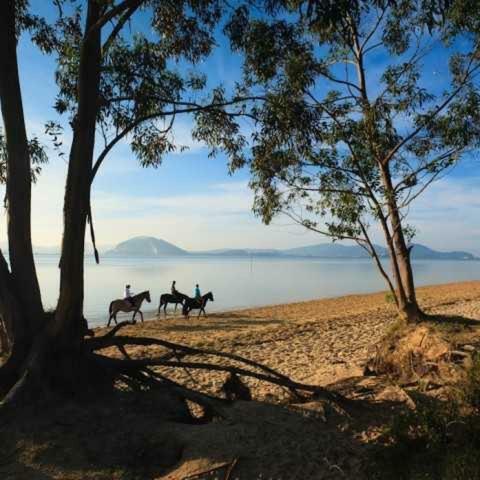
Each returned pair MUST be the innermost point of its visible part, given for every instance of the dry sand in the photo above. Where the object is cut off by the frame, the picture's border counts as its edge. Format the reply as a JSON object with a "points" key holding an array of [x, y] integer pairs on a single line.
{"points": [[316, 342]]}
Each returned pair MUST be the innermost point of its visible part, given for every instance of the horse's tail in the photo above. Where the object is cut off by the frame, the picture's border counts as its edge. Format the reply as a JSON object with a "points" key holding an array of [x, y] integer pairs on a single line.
{"points": [[110, 308]]}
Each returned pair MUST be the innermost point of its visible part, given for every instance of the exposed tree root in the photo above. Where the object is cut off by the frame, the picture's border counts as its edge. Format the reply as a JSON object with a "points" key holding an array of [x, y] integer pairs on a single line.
{"points": [[88, 371], [175, 358]]}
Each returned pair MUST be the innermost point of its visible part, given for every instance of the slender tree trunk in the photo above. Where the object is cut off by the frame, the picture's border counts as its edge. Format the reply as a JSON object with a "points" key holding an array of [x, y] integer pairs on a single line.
{"points": [[68, 325], [398, 250], [400, 254], [24, 277]]}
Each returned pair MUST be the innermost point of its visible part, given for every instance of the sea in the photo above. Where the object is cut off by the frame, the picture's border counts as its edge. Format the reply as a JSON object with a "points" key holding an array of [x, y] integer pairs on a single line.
{"points": [[235, 282]]}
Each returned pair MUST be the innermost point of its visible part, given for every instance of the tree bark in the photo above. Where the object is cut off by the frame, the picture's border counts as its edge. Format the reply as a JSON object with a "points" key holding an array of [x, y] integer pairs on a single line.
{"points": [[400, 253], [68, 325], [19, 334], [18, 189]]}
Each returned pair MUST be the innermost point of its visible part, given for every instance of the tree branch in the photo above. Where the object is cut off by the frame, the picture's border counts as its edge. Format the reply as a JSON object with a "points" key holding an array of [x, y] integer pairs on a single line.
{"points": [[112, 13], [423, 124], [118, 27]]}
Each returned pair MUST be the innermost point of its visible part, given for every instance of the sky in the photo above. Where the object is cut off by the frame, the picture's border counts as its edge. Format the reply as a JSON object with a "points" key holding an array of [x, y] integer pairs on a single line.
{"points": [[192, 201]]}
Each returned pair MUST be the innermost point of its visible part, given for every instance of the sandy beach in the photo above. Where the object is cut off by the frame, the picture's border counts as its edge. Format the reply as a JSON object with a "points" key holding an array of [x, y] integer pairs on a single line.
{"points": [[316, 342], [321, 342]]}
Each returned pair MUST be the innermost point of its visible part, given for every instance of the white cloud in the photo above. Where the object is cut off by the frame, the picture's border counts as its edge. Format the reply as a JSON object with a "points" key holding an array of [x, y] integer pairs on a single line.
{"points": [[446, 216]]}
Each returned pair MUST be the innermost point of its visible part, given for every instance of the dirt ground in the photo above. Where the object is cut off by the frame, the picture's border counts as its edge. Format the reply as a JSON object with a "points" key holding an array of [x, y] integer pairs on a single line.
{"points": [[320, 342]]}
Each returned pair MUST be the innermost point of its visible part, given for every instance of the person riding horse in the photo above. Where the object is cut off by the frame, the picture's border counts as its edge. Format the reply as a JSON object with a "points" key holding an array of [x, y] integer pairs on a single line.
{"points": [[129, 294], [197, 294], [198, 303], [131, 303], [175, 297]]}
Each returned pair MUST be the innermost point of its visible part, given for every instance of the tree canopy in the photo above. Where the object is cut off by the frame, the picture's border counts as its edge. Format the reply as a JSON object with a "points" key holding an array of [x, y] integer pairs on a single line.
{"points": [[349, 126]]}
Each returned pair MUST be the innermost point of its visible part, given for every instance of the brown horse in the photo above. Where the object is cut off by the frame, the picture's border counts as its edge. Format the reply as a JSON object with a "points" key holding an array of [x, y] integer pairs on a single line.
{"points": [[123, 305]]}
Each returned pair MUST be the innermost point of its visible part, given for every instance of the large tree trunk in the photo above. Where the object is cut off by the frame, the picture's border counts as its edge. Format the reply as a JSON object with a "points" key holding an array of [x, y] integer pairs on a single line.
{"points": [[56, 358], [68, 326], [24, 277], [20, 301], [400, 255]]}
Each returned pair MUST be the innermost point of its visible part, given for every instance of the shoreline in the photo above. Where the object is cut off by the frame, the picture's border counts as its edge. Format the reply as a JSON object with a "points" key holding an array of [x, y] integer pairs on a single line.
{"points": [[317, 342], [349, 296]]}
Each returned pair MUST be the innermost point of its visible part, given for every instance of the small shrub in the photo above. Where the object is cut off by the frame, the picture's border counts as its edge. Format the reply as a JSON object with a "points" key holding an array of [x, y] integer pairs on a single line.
{"points": [[389, 298], [395, 329], [432, 442], [471, 388]]}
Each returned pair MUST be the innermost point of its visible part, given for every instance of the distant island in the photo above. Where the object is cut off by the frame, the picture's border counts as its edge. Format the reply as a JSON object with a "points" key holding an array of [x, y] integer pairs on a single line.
{"points": [[156, 247]]}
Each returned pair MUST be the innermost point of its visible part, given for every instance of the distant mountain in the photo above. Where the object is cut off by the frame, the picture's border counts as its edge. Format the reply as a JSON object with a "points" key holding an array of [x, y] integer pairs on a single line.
{"points": [[337, 250], [145, 247], [423, 252], [240, 252], [332, 250], [155, 247]]}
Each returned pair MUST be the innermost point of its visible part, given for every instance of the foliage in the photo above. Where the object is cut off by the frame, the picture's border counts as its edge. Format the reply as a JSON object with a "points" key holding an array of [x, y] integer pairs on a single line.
{"points": [[471, 388], [389, 298], [437, 440], [142, 88], [348, 129], [38, 157]]}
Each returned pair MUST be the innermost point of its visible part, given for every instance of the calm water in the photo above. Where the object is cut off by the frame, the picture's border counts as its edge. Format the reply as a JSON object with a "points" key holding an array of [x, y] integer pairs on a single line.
{"points": [[236, 282]]}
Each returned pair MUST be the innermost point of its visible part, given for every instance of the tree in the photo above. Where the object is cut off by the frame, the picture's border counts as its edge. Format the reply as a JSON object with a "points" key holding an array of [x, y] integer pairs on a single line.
{"points": [[348, 128], [121, 84]]}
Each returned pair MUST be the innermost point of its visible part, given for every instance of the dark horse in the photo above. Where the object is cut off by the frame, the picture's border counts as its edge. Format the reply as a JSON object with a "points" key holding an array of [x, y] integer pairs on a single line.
{"points": [[197, 304], [167, 298]]}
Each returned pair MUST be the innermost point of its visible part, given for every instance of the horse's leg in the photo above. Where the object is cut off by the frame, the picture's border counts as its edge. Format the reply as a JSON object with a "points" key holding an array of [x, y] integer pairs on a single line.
{"points": [[159, 307], [133, 316], [165, 309], [176, 305], [115, 318], [141, 315]]}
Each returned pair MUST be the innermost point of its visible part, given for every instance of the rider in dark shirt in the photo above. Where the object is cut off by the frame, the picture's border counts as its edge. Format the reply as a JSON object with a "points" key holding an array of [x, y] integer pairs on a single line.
{"points": [[174, 288]]}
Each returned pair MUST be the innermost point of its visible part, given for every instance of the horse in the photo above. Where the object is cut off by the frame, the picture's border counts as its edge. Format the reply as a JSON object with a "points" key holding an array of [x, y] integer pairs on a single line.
{"points": [[194, 303], [123, 305], [167, 298]]}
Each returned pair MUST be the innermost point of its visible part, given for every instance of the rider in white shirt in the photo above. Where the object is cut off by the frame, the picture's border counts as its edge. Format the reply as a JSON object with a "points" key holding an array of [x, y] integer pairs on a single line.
{"points": [[129, 294]]}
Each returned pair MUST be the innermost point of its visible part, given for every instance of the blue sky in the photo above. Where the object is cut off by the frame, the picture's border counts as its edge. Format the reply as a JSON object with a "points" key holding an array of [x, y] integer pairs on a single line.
{"points": [[190, 200]]}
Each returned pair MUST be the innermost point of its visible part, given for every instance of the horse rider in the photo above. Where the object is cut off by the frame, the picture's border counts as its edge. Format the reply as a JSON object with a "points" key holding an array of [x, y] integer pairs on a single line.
{"points": [[198, 294], [174, 288], [129, 295]]}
